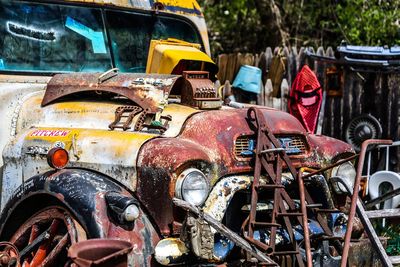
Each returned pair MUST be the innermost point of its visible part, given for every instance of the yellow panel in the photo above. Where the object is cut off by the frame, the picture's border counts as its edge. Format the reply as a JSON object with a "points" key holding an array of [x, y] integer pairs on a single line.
{"points": [[164, 55], [189, 4]]}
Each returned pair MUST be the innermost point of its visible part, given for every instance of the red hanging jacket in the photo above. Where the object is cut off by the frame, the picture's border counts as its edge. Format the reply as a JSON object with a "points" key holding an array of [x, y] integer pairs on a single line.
{"points": [[305, 98]]}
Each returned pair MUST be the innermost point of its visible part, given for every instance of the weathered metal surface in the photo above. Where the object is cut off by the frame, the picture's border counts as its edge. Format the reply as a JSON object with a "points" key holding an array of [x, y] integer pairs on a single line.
{"points": [[147, 91], [269, 158], [100, 252], [208, 139], [198, 91], [239, 241], [44, 229], [171, 251], [222, 194], [13, 91], [111, 153], [82, 192], [9, 256]]}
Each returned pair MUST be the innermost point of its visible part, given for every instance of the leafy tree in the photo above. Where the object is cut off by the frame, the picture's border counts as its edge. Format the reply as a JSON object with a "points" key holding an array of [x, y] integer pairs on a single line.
{"points": [[252, 25]]}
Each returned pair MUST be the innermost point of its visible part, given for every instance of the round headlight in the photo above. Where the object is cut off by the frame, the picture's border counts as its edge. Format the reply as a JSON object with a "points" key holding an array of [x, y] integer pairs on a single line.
{"points": [[192, 186], [347, 171]]}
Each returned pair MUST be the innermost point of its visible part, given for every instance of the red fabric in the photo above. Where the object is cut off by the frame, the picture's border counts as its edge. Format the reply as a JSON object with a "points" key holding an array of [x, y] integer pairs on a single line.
{"points": [[305, 98]]}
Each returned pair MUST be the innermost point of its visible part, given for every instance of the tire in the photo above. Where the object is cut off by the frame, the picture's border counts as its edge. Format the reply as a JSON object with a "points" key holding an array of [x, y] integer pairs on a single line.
{"points": [[62, 231]]}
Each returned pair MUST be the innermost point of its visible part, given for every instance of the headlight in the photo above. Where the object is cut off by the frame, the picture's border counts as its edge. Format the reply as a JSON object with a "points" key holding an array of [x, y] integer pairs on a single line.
{"points": [[192, 186], [347, 171]]}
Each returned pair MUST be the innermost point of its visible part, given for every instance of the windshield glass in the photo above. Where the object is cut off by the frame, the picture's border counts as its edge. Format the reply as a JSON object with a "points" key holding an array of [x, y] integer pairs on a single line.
{"points": [[131, 33], [52, 38], [57, 38]]}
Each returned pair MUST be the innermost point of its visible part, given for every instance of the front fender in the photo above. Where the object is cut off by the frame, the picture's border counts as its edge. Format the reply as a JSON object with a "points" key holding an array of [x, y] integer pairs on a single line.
{"points": [[82, 193]]}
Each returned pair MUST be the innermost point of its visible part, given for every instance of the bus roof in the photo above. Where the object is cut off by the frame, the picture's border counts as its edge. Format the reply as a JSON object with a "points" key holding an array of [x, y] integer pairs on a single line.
{"points": [[186, 7]]}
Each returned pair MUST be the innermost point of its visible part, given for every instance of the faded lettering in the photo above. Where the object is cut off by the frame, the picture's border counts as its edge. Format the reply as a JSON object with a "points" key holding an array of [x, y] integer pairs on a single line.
{"points": [[50, 133]]}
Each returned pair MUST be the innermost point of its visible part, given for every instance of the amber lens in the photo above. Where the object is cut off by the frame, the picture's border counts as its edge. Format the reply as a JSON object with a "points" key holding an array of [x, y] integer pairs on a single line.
{"points": [[58, 158]]}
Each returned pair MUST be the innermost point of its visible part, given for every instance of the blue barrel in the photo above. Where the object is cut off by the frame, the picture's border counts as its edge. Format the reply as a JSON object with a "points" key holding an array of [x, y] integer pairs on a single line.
{"points": [[248, 79]]}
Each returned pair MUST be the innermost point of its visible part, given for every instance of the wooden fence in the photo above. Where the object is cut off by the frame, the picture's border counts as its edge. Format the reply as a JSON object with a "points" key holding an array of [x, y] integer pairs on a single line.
{"points": [[371, 93]]}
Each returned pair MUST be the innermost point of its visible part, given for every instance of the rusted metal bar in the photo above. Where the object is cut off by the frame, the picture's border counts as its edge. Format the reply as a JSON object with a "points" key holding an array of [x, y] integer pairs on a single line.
{"points": [[373, 237], [386, 213], [355, 200], [354, 197], [50, 259], [382, 198], [330, 166], [238, 240], [306, 231], [269, 157], [42, 251], [35, 244]]}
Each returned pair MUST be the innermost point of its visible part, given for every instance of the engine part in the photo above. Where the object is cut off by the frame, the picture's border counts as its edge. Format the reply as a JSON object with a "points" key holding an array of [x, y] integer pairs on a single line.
{"points": [[198, 91], [128, 112], [239, 241]]}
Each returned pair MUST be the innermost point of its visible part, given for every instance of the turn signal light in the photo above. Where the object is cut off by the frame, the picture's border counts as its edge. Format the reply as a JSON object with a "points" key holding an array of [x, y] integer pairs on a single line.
{"points": [[57, 158]]}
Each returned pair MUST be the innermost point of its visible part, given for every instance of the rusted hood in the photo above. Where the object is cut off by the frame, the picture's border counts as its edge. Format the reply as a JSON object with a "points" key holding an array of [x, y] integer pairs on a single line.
{"points": [[146, 90], [210, 141], [211, 137], [219, 141]]}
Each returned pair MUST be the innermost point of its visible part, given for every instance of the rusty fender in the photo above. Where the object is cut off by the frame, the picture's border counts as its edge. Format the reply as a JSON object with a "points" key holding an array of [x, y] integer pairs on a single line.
{"points": [[82, 192]]}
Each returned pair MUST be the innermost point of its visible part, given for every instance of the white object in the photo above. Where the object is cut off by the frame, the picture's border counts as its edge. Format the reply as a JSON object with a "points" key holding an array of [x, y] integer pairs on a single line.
{"points": [[377, 179]]}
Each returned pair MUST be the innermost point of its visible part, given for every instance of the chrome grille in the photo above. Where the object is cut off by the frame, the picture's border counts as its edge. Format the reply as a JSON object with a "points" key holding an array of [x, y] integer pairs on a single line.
{"points": [[294, 145]]}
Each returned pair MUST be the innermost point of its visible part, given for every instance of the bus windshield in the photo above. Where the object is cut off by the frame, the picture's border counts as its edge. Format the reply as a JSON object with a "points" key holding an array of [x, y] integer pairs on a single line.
{"points": [[53, 38]]}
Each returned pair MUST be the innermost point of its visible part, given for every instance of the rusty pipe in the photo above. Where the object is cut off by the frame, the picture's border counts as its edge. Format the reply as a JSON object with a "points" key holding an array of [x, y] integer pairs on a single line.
{"points": [[354, 197], [314, 172], [304, 217]]}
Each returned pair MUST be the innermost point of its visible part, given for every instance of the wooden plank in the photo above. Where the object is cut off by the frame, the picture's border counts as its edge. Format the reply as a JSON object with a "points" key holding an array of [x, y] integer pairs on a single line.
{"points": [[395, 259], [231, 67], [222, 63], [386, 213], [320, 69], [301, 58], [293, 65]]}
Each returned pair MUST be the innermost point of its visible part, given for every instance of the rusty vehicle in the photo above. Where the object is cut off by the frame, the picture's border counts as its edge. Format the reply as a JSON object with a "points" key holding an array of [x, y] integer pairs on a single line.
{"points": [[154, 159]]}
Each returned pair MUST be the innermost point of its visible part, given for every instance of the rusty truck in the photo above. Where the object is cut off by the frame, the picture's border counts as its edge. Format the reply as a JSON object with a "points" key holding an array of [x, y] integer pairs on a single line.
{"points": [[112, 128]]}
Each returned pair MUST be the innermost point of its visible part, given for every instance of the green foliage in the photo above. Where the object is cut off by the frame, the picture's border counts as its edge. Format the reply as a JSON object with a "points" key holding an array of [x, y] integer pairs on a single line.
{"points": [[226, 19], [391, 232], [241, 25], [370, 22]]}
